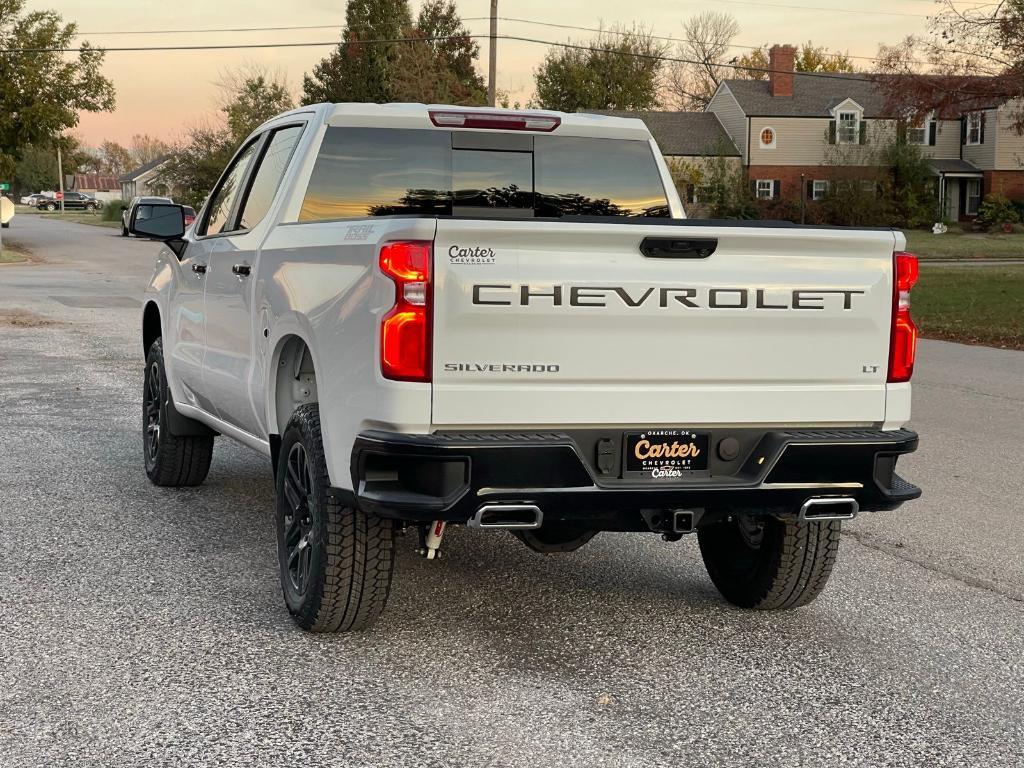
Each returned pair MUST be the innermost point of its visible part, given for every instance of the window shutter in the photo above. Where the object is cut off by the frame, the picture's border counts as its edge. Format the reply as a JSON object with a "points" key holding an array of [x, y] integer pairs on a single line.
{"points": [[753, 187], [981, 132], [932, 127], [777, 189], [831, 131], [810, 190], [863, 132], [963, 129], [901, 132], [689, 193]]}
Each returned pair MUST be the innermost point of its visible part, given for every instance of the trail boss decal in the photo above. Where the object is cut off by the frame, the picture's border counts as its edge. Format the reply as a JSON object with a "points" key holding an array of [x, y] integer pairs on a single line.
{"points": [[505, 295], [665, 453]]}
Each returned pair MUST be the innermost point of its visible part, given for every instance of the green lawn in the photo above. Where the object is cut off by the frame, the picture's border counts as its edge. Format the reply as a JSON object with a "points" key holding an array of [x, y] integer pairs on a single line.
{"points": [[975, 305], [79, 217], [964, 245]]}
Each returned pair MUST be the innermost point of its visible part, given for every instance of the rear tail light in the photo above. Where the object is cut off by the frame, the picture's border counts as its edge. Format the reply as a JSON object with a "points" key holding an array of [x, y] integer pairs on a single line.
{"points": [[903, 339], [405, 335], [503, 121]]}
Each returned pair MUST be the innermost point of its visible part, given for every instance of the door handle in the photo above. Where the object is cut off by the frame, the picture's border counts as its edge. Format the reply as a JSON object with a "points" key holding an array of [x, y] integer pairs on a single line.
{"points": [[242, 270], [199, 269]]}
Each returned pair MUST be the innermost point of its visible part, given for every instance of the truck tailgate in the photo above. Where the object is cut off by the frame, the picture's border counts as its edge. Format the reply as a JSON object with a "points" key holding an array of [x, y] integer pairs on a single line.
{"points": [[542, 323]]}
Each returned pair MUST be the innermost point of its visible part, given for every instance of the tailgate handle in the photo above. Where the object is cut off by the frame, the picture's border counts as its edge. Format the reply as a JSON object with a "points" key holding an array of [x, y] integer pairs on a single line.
{"points": [[678, 247]]}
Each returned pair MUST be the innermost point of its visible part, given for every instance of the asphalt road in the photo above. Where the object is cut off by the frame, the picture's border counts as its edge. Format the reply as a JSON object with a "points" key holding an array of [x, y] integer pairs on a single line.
{"points": [[144, 626]]}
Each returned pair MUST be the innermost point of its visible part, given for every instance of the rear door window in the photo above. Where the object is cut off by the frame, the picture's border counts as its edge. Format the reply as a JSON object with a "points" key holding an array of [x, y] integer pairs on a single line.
{"points": [[363, 172], [268, 176]]}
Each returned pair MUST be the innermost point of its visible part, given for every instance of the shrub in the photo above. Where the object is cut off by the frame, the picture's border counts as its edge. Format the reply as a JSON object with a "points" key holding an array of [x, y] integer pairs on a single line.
{"points": [[996, 210], [111, 210]]}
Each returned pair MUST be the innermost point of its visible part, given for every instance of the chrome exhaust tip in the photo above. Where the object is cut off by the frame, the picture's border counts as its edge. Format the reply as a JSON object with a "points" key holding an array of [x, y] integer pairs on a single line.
{"points": [[829, 508], [507, 517]]}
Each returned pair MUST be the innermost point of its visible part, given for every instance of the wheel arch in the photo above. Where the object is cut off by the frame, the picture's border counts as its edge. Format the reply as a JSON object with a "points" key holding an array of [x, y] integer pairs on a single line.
{"points": [[292, 382], [151, 326]]}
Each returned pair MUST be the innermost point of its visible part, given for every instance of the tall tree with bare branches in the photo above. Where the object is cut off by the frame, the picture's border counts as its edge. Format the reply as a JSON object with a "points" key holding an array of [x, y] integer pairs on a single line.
{"points": [[707, 38]]}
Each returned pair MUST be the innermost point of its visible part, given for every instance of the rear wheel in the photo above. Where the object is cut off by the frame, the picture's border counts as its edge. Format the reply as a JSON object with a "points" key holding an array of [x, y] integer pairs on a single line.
{"points": [[769, 563], [171, 460], [50, 207], [336, 562]]}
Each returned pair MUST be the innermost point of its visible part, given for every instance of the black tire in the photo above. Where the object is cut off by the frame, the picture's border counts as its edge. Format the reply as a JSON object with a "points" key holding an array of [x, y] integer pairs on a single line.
{"points": [[171, 460], [50, 207], [124, 230], [769, 563], [336, 562]]}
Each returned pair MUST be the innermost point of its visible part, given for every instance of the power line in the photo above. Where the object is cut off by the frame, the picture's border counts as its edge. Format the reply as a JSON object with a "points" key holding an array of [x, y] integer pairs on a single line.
{"points": [[393, 41], [512, 19]]}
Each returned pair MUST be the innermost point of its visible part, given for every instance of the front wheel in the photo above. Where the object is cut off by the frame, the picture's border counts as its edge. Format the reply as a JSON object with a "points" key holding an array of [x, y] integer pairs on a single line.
{"points": [[51, 207], [768, 563], [171, 460], [336, 562]]}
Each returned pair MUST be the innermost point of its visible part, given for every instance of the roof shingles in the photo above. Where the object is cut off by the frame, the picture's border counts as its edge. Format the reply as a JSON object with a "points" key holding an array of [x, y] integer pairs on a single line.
{"points": [[684, 133]]}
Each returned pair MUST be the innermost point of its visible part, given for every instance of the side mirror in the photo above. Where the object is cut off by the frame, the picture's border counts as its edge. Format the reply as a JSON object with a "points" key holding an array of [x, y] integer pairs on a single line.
{"points": [[124, 207], [163, 221]]}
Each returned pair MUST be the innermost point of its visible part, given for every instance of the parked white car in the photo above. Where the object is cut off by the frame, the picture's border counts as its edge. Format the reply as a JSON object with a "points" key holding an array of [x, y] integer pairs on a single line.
{"points": [[437, 315]]}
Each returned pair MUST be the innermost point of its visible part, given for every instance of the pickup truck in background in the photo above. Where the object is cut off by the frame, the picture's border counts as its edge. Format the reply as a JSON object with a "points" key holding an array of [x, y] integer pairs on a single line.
{"points": [[437, 315]]}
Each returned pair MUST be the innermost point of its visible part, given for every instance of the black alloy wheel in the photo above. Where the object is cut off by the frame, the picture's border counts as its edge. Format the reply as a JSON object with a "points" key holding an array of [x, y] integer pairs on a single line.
{"points": [[298, 518], [152, 406]]}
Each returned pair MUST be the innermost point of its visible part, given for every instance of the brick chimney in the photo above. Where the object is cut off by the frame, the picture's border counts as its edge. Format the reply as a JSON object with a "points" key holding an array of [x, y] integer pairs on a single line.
{"points": [[780, 62]]}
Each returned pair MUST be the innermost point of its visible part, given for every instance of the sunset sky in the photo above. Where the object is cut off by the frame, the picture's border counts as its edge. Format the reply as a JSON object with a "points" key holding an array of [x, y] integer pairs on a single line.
{"points": [[161, 93]]}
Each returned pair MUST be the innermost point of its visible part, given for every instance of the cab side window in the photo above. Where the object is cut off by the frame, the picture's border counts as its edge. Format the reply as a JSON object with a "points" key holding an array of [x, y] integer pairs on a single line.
{"points": [[268, 176], [222, 203]]}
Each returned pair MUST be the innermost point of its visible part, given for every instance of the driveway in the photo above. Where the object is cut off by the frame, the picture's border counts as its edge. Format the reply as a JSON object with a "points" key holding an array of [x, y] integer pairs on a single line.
{"points": [[144, 626]]}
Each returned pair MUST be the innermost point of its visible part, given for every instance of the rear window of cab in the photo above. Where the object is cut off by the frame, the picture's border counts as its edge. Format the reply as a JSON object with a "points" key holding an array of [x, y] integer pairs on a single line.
{"points": [[361, 172]]}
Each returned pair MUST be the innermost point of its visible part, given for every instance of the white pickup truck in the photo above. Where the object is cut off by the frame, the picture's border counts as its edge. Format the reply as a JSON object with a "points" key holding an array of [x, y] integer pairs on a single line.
{"points": [[435, 315]]}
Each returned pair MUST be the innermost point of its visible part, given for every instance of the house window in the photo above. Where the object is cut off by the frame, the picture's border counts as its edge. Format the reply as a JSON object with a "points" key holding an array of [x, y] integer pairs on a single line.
{"points": [[974, 128], [819, 189], [767, 138], [848, 128], [973, 197], [868, 187], [765, 189], [917, 133]]}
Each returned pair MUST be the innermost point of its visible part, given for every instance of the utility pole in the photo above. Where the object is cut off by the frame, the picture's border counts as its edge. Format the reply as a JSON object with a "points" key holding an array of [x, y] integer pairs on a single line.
{"points": [[493, 64], [60, 179]]}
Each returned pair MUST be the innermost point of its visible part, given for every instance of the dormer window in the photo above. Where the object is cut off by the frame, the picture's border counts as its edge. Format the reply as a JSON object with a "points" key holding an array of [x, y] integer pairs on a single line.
{"points": [[848, 127]]}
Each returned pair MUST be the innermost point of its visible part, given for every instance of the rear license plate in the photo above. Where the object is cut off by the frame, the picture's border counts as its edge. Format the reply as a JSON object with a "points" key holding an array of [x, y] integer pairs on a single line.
{"points": [[666, 453]]}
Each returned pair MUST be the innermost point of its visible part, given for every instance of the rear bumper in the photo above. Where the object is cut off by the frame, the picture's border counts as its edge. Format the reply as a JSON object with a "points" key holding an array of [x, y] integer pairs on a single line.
{"points": [[450, 476]]}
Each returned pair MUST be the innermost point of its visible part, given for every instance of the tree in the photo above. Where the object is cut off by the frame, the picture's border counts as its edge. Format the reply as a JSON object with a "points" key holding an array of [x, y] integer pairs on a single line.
{"points": [[145, 149], [619, 69], [452, 47], [809, 58], [249, 97], [426, 77], [971, 58], [41, 93], [707, 38], [358, 70], [115, 158]]}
